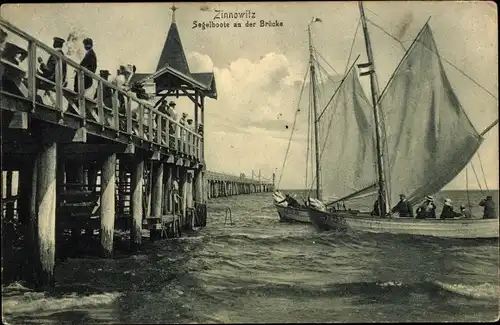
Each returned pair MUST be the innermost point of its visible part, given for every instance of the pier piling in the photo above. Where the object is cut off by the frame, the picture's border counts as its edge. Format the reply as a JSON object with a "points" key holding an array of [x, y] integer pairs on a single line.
{"points": [[108, 188], [46, 208], [136, 202]]}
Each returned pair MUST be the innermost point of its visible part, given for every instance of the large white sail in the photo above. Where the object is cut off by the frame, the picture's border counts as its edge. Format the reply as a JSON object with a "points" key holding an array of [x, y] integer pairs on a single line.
{"points": [[347, 141], [429, 138]]}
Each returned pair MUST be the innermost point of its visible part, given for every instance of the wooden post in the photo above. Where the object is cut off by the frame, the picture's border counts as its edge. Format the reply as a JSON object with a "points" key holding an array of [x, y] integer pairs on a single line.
{"points": [[182, 190], [189, 193], [108, 188], [10, 205], [167, 191], [198, 186], [156, 197], [46, 210], [136, 203]]}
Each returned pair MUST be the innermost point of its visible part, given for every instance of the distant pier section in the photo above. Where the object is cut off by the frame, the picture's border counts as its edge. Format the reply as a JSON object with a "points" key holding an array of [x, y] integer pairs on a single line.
{"points": [[220, 185]]}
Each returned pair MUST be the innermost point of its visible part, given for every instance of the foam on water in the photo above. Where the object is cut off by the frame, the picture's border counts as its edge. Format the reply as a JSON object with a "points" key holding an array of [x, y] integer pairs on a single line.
{"points": [[26, 301], [261, 270]]}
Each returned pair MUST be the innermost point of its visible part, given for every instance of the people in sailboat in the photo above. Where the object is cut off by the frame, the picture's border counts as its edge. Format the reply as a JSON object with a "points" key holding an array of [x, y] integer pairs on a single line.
{"points": [[48, 71], [489, 208], [465, 212], [448, 212], [291, 202], [427, 210], [403, 207]]}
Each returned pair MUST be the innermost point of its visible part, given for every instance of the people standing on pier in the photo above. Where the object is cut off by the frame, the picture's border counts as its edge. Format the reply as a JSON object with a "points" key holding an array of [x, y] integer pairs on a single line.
{"points": [[172, 126], [427, 210], [107, 94], [171, 112], [120, 82], [89, 62], [403, 207], [448, 212], [48, 71], [182, 120], [190, 124], [489, 208]]}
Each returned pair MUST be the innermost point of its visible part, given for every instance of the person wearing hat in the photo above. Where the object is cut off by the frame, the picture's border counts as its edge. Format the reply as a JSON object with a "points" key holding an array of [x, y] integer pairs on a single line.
{"points": [[190, 124], [89, 62], [48, 71], [403, 207], [120, 81], [171, 112], [489, 208], [107, 94], [447, 212], [427, 210], [465, 212], [182, 121]]}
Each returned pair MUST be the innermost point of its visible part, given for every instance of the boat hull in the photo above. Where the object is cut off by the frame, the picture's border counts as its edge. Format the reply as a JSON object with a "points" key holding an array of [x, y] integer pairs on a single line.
{"points": [[455, 228], [289, 214]]}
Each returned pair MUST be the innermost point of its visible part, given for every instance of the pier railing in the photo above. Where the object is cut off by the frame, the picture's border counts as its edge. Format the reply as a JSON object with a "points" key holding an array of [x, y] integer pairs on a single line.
{"points": [[110, 108]]}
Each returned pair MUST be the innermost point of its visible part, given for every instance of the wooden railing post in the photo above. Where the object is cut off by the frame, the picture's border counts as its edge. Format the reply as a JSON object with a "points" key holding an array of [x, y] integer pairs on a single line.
{"points": [[32, 59], [141, 121], [167, 131], [81, 93], [100, 103], [158, 128], [59, 82], [129, 116], [116, 118], [151, 128]]}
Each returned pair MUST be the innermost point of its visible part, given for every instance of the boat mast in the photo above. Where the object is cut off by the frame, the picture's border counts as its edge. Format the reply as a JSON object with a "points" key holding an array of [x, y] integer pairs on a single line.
{"points": [[374, 90], [313, 85]]}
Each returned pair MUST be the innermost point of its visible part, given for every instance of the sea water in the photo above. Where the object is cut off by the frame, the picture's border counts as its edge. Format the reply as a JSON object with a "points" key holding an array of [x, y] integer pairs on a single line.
{"points": [[261, 270]]}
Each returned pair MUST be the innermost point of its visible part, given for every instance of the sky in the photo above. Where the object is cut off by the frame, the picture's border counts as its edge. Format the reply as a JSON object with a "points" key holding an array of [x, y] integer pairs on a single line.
{"points": [[259, 71]]}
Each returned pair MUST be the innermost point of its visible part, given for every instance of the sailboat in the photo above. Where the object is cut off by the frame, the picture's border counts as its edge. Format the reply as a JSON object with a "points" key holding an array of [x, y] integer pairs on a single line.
{"points": [[289, 209], [412, 140]]}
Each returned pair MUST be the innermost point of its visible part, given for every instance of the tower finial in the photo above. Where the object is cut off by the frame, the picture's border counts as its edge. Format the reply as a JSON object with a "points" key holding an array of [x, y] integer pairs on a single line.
{"points": [[173, 8]]}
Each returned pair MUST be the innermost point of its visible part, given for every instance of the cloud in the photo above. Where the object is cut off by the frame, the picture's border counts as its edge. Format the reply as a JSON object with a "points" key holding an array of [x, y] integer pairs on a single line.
{"points": [[246, 126]]}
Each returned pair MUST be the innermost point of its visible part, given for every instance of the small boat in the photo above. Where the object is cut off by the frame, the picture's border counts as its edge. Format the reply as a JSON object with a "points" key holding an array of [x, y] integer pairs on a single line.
{"points": [[413, 139], [290, 213], [343, 221], [298, 212]]}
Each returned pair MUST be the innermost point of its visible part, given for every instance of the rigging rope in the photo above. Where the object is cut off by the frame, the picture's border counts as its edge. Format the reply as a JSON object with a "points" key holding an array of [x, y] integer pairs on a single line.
{"points": [[326, 61], [441, 57], [477, 178], [482, 170], [387, 33], [352, 46], [336, 90], [293, 128], [467, 186], [328, 75]]}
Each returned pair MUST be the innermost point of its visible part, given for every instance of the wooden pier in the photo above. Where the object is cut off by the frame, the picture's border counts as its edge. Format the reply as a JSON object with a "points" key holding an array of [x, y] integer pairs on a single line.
{"points": [[220, 185], [85, 165]]}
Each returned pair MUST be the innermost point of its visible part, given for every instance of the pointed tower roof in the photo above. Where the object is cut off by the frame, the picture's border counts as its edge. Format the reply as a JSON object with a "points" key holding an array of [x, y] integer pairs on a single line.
{"points": [[173, 52]]}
